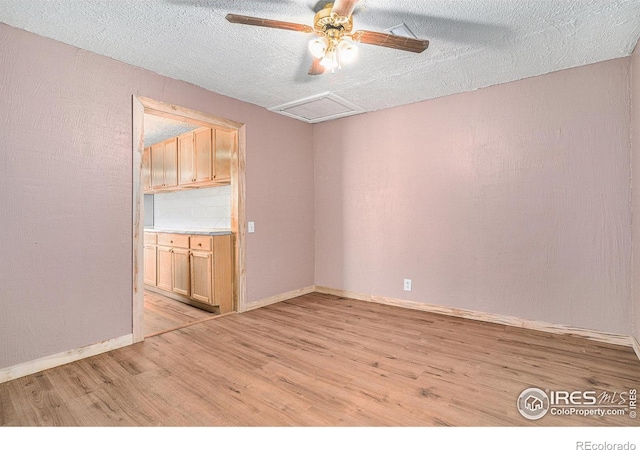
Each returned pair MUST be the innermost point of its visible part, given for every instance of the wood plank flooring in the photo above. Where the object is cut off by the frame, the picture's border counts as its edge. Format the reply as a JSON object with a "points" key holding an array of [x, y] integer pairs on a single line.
{"points": [[320, 360], [162, 313]]}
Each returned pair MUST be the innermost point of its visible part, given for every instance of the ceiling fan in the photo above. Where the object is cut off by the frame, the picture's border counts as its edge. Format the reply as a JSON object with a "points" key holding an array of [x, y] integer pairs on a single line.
{"points": [[334, 24]]}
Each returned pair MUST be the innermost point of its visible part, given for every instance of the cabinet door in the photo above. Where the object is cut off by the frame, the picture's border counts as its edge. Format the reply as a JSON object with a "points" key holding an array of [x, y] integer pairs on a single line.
{"points": [[181, 273], [185, 159], [165, 265], [225, 142], [150, 265], [203, 155], [157, 165], [170, 162], [201, 276], [146, 169]]}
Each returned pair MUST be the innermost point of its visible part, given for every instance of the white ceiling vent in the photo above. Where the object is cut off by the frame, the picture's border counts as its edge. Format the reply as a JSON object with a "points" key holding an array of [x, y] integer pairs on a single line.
{"points": [[318, 108]]}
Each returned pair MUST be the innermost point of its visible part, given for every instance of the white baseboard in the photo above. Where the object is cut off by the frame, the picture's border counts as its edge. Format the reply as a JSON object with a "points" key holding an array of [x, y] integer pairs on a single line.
{"points": [[280, 298], [594, 335], [49, 362]]}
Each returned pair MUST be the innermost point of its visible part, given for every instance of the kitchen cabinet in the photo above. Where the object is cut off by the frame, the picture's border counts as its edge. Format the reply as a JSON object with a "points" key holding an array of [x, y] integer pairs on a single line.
{"points": [[150, 262], [180, 267], [194, 159], [196, 267], [201, 259], [173, 263], [164, 268], [164, 164], [225, 144], [201, 276], [185, 159]]}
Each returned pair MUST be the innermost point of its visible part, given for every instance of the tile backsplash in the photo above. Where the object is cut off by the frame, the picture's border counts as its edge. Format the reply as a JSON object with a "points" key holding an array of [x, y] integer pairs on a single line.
{"points": [[193, 208]]}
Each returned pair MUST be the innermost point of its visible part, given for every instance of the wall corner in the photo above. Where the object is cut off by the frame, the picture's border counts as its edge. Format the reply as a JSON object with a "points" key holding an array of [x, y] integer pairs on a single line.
{"points": [[634, 138]]}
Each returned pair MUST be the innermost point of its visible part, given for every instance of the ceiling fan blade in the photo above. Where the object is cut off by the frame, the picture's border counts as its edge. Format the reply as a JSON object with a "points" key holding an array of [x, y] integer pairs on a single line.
{"points": [[344, 8], [268, 23], [316, 68], [391, 41]]}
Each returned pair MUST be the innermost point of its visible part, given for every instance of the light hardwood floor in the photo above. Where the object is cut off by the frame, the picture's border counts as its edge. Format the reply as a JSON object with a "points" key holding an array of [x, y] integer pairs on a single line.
{"points": [[162, 314], [318, 360]]}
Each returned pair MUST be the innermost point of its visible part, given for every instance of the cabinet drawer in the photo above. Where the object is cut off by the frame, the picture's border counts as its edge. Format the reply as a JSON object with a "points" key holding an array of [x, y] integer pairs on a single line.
{"points": [[173, 240], [150, 238], [201, 243]]}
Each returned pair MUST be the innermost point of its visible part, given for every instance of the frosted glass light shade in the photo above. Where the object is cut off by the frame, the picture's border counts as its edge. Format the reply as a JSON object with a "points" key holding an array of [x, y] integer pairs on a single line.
{"points": [[330, 60], [318, 47], [348, 52]]}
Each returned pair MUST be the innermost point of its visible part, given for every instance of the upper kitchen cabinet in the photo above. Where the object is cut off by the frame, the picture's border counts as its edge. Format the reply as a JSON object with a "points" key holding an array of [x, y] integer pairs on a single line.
{"points": [[203, 158], [225, 143], [164, 164], [195, 157]]}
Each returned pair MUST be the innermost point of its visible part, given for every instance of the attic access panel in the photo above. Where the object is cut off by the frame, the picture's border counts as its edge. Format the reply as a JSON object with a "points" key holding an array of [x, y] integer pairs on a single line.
{"points": [[318, 108]]}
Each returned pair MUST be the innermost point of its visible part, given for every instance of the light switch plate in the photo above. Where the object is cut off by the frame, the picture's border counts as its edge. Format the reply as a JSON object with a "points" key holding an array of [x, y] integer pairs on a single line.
{"points": [[251, 227]]}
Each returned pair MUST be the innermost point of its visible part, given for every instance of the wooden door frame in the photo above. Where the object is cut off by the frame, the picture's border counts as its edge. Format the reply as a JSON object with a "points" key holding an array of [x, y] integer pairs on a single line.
{"points": [[142, 106]]}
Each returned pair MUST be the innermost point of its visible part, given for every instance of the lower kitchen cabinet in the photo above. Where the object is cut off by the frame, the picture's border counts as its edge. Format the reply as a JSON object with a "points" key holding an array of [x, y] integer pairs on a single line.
{"points": [[165, 268], [201, 276], [150, 259], [180, 263], [195, 267]]}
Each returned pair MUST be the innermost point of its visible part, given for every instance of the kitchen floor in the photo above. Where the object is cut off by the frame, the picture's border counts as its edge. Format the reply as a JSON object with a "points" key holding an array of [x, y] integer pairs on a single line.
{"points": [[162, 314]]}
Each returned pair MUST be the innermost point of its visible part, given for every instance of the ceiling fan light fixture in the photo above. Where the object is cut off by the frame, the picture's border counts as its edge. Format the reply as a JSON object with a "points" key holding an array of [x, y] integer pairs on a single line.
{"points": [[318, 47]]}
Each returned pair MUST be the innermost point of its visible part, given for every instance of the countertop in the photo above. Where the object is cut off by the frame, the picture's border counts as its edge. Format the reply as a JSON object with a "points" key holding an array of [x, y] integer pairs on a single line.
{"points": [[197, 231]]}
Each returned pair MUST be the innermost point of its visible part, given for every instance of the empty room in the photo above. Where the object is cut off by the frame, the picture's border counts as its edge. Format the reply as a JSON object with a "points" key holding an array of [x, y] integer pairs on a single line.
{"points": [[313, 214]]}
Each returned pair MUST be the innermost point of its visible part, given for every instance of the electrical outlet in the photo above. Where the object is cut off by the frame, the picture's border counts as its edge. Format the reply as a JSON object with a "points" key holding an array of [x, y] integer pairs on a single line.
{"points": [[251, 227], [407, 285]]}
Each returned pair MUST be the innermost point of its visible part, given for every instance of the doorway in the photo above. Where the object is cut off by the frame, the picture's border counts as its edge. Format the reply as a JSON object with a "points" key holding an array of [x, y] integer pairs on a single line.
{"points": [[142, 106]]}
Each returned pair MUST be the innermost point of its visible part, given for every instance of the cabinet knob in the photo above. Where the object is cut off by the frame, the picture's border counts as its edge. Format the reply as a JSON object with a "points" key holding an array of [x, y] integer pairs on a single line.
{"points": [[200, 244], [172, 242]]}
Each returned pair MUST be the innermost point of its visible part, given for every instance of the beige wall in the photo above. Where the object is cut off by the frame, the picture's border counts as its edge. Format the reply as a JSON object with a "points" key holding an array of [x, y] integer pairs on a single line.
{"points": [[635, 139], [514, 200], [66, 202]]}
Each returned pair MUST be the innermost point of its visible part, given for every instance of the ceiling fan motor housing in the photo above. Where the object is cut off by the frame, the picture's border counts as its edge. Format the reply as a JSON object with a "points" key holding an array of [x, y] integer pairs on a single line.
{"points": [[331, 25]]}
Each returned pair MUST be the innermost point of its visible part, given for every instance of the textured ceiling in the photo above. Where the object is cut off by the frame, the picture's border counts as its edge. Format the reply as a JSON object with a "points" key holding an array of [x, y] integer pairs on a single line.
{"points": [[473, 43]]}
